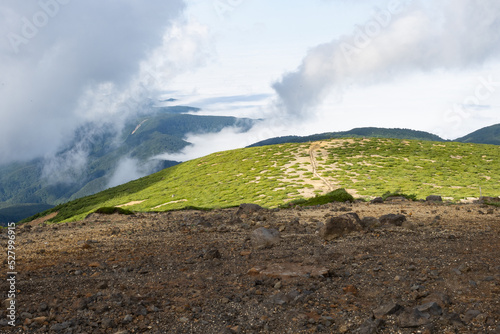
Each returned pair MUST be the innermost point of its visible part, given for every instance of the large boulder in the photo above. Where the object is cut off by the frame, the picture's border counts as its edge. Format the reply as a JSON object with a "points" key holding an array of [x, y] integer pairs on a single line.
{"points": [[370, 222], [338, 226], [434, 198], [486, 199], [248, 208], [264, 238], [392, 219]]}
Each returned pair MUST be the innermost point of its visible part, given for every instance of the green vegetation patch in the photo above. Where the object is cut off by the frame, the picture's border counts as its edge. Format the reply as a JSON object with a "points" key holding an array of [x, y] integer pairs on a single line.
{"points": [[411, 197], [112, 210], [339, 195]]}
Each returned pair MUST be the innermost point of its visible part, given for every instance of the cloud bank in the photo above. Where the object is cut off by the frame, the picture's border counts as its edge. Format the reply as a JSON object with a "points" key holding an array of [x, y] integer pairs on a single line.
{"points": [[65, 62], [406, 36]]}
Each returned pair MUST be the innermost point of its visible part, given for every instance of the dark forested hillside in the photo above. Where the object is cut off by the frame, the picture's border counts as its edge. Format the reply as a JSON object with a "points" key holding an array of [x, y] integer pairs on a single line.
{"points": [[354, 133], [488, 135], [59, 179]]}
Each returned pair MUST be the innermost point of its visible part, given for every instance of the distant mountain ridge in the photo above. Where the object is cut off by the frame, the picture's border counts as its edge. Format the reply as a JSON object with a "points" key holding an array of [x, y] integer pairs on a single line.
{"points": [[370, 132], [488, 135]]}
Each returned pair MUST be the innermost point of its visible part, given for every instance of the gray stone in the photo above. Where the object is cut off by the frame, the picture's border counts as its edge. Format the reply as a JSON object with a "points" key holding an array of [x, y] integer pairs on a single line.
{"points": [[386, 309], [60, 327], [469, 315], [392, 219], [377, 200], [248, 208], [279, 299], [432, 308], [434, 198], [440, 298], [338, 226], [43, 307], [212, 254], [107, 323], [370, 326], [102, 285], [396, 199], [413, 318], [26, 315], [265, 238], [127, 319], [370, 222], [454, 319]]}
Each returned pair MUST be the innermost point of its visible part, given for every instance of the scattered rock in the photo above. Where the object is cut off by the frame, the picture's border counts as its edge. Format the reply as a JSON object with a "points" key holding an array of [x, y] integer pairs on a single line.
{"points": [[413, 318], [486, 199], [115, 231], [386, 309], [432, 308], [370, 222], [350, 289], [60, 326], [212, 254], [247, 208], [107, 323], [26, 315], [288, 270], [338, 226], [43, 307], [469, 315], [396, 199], [265, 238], [127, 319], [102, 285], [392, 219], [377, 200], [40, 320], [434, 198], [370, 326], [357, 283], [442, 299]]}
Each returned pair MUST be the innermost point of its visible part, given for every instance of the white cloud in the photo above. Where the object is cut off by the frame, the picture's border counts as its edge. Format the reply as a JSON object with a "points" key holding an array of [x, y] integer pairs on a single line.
{"points": [[451, 35], [74, 55]]}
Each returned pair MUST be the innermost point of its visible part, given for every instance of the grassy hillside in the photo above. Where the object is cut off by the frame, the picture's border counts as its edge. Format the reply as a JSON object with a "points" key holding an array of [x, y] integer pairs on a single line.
{"points": [[488, 135], [273, 175]]}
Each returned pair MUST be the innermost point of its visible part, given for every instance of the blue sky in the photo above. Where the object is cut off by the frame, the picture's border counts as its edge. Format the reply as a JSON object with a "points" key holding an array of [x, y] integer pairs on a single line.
{"points": [[303, 66]]}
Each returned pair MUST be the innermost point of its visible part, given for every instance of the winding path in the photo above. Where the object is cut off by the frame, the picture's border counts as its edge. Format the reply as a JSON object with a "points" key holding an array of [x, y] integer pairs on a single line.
{"points": [[314, 164]]}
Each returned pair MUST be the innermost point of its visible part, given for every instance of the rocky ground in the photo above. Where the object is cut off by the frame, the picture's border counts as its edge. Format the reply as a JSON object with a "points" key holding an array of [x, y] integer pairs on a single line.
{"points": [[429, 268]]}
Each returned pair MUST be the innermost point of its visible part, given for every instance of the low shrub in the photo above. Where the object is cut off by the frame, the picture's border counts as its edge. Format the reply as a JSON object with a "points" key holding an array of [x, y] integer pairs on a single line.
{"points": [[113, 210], [339, 195], [411, 197]]}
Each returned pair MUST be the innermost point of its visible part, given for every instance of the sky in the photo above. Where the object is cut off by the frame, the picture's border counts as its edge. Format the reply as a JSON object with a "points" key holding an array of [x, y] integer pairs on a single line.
{"points": [[303, 67]]}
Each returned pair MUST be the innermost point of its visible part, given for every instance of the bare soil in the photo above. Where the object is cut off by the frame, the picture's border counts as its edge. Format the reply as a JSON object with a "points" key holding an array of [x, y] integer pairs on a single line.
{"points": [[198, 272]]}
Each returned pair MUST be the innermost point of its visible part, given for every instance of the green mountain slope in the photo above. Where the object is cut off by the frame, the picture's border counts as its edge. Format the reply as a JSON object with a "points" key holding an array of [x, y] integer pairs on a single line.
{"points": [[44, 181], [488, 135], [370, 132], [273, 175]]}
